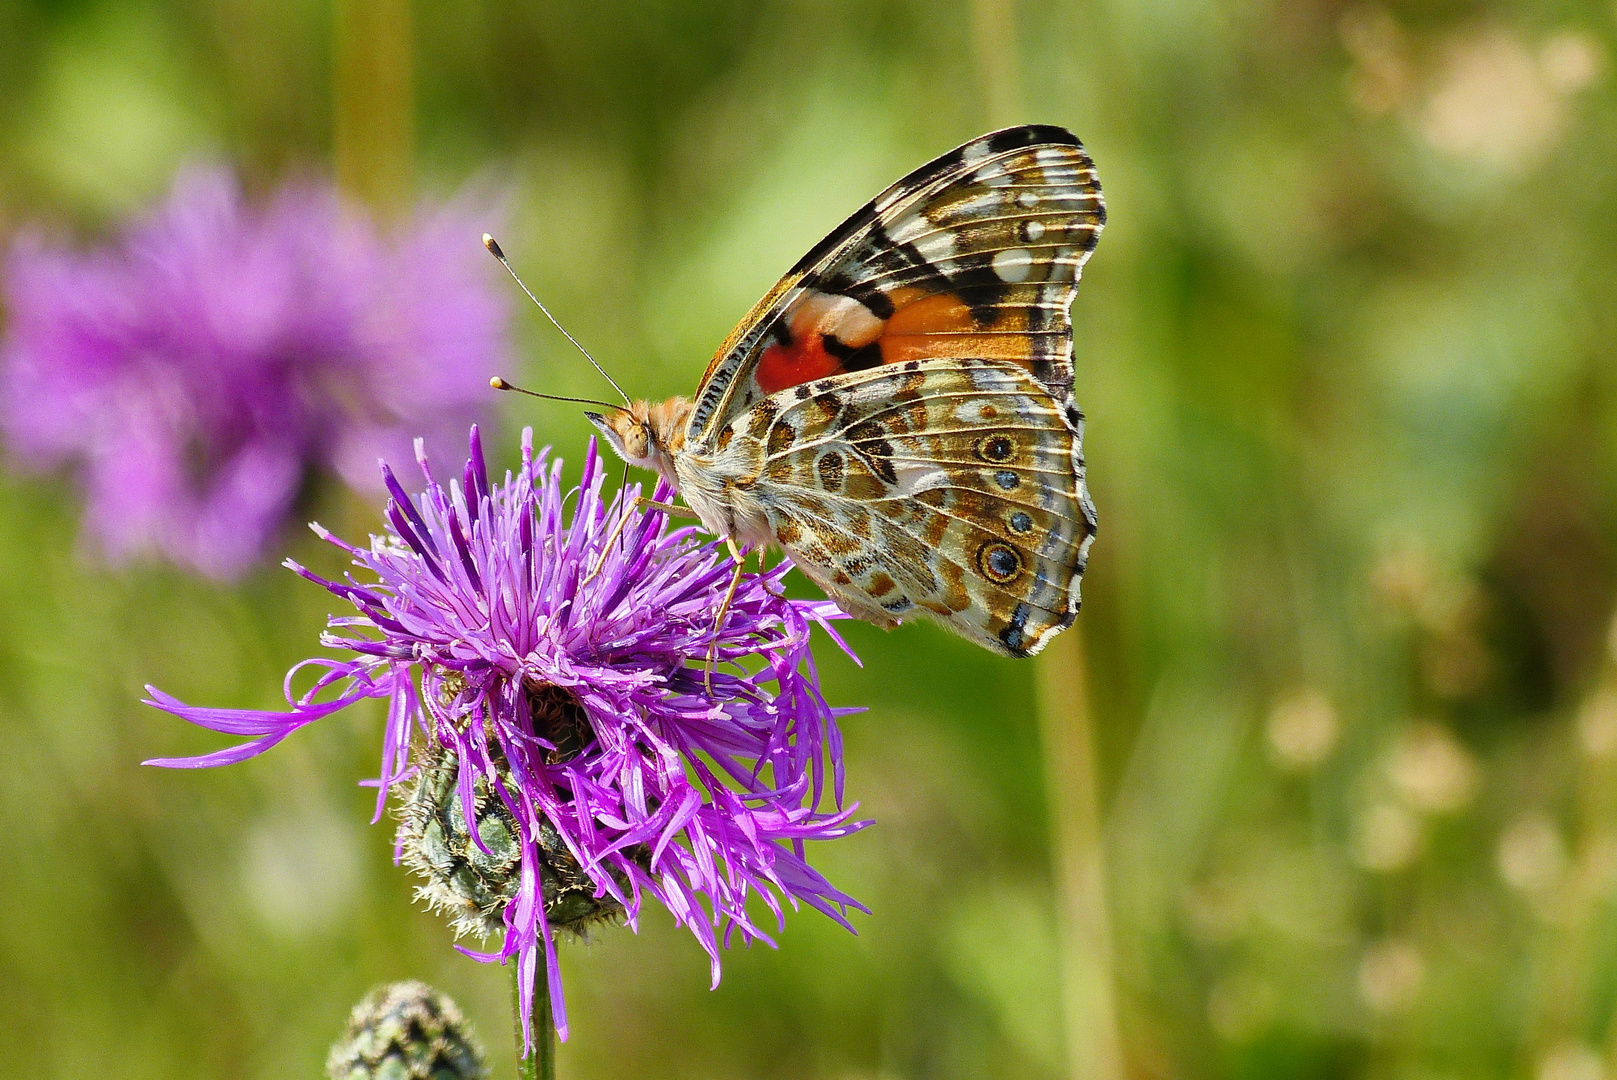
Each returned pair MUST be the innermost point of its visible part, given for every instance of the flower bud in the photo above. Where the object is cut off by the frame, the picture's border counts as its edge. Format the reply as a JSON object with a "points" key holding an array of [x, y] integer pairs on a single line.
{"points": [[406, 1031], [472, 884]]}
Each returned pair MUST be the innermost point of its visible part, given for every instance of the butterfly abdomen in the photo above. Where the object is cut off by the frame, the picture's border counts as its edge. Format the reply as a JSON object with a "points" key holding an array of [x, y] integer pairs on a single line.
{"points": [[722, 490]]}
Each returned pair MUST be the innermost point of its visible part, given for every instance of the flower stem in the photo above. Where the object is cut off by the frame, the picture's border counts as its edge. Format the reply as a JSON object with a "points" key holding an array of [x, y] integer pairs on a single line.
{"points": [[539, 1060]]}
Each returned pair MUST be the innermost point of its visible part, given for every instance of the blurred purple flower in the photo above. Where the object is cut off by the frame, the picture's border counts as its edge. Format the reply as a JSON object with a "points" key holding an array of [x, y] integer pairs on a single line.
{"points": [[198, 370], [484, 610]]}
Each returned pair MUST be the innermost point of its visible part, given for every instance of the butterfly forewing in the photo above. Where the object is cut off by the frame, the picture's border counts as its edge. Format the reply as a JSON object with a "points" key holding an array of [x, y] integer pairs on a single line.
{"points": [[976, 254]]}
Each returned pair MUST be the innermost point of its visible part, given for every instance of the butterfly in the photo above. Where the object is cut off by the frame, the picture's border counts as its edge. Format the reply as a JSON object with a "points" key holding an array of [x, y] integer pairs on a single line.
{"points": [[896, 414]]}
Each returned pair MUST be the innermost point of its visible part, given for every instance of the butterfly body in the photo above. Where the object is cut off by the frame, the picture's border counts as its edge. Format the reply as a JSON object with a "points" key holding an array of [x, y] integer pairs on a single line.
{"points": [[897, 414]]}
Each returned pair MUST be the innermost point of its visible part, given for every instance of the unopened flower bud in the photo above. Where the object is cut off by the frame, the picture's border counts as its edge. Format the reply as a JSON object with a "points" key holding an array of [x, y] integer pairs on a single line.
{"points": [[472, 884], [406, 1031]]}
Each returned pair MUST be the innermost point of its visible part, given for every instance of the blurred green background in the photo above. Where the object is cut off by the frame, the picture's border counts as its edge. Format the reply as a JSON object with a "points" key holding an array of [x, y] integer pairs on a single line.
{"points": [[1347, 349]]}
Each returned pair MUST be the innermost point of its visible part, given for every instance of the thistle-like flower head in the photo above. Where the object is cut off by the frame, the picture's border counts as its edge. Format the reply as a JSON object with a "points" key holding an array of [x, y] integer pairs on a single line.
{"points": [[197, 372], [547, 705]]}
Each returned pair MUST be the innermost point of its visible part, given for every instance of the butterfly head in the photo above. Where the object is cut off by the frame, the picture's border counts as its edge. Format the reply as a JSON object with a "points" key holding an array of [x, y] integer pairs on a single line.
{"points": [[647, 435]]}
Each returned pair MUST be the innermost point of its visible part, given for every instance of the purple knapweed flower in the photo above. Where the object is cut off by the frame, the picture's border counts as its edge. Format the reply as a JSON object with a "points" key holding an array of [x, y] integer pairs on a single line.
{"points": [[547, 676], [196, 371]]}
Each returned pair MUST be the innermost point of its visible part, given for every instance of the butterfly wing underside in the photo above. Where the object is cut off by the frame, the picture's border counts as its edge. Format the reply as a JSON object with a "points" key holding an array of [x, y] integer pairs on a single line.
{"points": [[947, 487], [908, 390]]}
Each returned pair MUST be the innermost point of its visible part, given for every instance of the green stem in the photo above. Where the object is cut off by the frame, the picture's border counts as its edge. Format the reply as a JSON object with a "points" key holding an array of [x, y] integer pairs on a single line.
{"points": [[540, 1061]]}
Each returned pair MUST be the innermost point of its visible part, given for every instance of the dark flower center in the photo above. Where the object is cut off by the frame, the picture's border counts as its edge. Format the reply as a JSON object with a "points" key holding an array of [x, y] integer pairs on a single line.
{"points": [[558, 718]]}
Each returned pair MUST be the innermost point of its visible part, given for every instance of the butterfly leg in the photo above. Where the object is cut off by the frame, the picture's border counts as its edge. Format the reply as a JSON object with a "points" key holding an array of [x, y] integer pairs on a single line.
{"points": [[639, 502], [763, 553], [724, 610]]}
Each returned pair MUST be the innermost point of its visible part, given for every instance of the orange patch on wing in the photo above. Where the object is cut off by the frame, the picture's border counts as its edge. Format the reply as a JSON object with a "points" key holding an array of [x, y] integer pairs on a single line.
{"points": [[939, 313], [934, 346], [942, 325], [924, 327]]}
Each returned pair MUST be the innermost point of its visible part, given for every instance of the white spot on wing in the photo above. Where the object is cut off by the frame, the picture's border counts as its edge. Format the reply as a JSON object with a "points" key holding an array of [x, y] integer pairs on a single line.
{"points": [[908, 227], [1013, 265], [992, 175], [862, 271], [1035, 229], [976, 206], [993, 379], [850, 321], [869, 395], [938, 246], [1070, 196], [1028, 198], [915, 477]]}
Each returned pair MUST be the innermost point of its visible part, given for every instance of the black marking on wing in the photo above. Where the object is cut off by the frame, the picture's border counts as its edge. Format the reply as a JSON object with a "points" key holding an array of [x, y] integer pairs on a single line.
{"points": [[854, 358], [869, 441], [1015, 633]]}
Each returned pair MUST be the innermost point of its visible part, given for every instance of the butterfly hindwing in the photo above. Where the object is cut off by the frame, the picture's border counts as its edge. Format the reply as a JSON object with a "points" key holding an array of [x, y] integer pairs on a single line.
{"points": [[952, 487], [976, 254]]}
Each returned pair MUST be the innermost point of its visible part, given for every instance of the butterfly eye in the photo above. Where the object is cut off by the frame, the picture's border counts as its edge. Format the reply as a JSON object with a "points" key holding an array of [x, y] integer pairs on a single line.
{"points": [[999, 563], [995, 448], [637, 441]]}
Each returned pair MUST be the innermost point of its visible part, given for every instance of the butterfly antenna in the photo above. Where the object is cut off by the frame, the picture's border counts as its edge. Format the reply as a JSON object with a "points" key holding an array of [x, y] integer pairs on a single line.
{"points": [[624, 501], [501, 384], [494, 250]]}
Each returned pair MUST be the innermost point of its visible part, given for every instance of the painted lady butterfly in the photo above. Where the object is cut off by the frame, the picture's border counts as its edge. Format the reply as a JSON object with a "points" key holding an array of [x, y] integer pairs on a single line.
{"points": [[897, 412]]}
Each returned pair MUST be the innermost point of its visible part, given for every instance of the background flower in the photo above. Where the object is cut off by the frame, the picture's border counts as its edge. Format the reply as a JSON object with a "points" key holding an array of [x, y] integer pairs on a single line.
{"points": [[559, 664], [198, 370]]}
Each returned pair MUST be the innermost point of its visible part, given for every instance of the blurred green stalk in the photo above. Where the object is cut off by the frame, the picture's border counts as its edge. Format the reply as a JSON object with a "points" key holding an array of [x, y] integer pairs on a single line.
{"points": [[993, 28], [1575, 1004], [373, 115], [1569, 896], [539, 1062], [373, 135], [1089, 1011], [1094, 1049]]}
